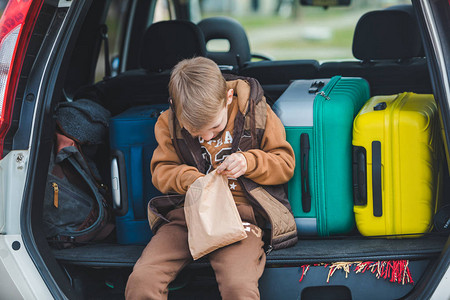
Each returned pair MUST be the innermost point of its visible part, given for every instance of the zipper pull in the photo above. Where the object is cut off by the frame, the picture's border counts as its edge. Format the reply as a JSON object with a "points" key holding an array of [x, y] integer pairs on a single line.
{"points": [[269, 249], [322, 93], [55, 194]]}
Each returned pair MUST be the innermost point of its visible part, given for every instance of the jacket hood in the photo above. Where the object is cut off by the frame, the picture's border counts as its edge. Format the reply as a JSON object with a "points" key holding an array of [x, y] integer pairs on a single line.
{"points": [[241, 92], [245, 88]]}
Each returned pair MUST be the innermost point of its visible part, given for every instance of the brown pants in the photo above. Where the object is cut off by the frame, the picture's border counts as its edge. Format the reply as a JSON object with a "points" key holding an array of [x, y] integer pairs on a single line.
{"points": [[237, 267]]}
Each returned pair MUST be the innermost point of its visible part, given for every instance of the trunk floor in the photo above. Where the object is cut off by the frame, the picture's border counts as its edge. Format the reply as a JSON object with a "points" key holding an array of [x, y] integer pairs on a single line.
{"points": [[306, 251]]}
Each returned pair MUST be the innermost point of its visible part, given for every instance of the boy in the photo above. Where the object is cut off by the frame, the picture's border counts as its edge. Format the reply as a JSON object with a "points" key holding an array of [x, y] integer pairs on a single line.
{"points": [[223, 125]]}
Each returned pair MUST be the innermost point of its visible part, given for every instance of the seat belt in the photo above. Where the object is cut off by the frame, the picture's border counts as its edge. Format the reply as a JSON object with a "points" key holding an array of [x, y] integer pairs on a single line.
{"points": [[104, 36]]}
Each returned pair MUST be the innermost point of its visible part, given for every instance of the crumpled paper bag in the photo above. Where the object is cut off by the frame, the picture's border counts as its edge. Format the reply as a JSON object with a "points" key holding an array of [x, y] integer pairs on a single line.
{"points": [[212, 218]]}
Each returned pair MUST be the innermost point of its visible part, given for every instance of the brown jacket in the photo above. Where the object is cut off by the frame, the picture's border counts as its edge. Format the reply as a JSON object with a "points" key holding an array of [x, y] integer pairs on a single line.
{"points": [[259, 134]]}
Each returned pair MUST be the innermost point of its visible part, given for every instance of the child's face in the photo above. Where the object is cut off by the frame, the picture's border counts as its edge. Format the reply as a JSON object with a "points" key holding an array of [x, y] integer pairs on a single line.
{"points": [[217, 125]]}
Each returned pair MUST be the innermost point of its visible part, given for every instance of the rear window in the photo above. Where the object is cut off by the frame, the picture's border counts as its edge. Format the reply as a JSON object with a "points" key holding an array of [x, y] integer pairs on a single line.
{"points": [[284, 29]]}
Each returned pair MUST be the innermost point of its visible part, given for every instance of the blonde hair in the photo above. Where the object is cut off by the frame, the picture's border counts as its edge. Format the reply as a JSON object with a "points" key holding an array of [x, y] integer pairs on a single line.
{"points": [[198, 91]]}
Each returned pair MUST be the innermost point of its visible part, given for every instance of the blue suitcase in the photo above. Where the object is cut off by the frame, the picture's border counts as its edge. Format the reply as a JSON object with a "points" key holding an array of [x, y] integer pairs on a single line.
{"points": [[132, 141]]}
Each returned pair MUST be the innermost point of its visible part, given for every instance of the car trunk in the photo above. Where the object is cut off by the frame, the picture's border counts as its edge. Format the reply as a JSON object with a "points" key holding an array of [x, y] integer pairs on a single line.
{"points": [[100, 269]]}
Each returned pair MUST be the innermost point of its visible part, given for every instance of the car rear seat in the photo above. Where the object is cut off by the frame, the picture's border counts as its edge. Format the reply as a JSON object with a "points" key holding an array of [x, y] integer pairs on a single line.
{"points": [[274, 76], [164, 45], [226, 28], [388, 45]]}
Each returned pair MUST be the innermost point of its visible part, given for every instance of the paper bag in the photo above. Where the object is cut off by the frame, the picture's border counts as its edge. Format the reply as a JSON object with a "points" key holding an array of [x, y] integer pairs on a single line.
{"points": [[212, 218]]}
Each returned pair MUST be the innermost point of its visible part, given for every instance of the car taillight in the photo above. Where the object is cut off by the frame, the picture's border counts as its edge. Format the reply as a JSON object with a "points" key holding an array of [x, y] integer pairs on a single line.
{"points": [[16, 25]]}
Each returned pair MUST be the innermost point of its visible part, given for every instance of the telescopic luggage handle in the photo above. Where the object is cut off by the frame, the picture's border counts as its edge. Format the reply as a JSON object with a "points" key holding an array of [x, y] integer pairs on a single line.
{"points": [[376, 179], [304, 165]]}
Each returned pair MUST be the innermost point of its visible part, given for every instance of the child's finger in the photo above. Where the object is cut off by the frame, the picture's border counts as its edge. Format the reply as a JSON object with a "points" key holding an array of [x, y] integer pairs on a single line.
{"points": [[234, 164], [222, 167], [239, 162], [234, 173]]}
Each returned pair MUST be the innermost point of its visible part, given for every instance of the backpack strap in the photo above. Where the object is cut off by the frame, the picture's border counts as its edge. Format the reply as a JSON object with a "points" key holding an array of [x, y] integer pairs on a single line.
{"points": [[98, 197]]}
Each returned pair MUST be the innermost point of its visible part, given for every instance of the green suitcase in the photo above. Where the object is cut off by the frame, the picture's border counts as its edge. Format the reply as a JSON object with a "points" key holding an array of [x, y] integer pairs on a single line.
{"points": [[318, 117]]}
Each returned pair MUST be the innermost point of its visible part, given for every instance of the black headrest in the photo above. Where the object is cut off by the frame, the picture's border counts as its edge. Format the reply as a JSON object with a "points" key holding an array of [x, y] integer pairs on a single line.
{"points": [[386, 34], [166, 43], [228, 29], [410, 10]]}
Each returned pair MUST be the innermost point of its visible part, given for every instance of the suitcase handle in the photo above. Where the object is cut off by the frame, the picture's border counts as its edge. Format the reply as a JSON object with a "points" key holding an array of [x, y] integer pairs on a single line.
{"points": [[304, 165], [119, 183], [359, 176], [376, 179]]}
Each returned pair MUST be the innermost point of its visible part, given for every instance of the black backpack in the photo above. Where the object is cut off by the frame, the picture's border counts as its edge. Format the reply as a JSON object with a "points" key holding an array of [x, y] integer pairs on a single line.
{"points": [[77, 205]]}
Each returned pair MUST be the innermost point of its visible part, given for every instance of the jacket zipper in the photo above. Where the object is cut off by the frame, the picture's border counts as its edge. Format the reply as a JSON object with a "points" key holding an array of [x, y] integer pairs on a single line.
{"points": [[252, 199]]}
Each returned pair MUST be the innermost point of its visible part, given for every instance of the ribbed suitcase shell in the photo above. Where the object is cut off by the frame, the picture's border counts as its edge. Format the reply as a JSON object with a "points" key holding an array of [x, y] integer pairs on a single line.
{"points": [[132, 141], [323, 111], [397, 152]]}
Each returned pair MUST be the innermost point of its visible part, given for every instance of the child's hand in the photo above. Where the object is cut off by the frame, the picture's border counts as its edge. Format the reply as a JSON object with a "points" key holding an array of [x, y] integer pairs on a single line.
{"points": [[233, 166]]}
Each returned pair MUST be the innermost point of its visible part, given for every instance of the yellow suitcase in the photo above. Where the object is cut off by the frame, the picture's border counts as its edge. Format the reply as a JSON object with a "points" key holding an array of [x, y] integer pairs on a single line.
{"points": [[397, 153]]}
